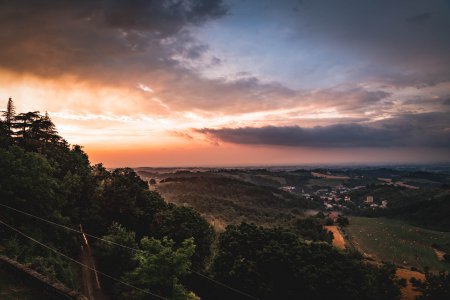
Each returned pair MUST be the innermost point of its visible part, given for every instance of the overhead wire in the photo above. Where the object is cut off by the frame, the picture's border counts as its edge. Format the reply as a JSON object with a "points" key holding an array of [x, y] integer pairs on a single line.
{"points": [[80, 263], [126, 247]]}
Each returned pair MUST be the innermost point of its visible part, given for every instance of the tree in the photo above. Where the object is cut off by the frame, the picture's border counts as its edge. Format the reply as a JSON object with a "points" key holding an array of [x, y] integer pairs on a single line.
{"points": [[5, 137], [272, 263], [114, 260], [181, 223], [33, 129], [23, 123], [435, 286], [342, 221], [159, 267], [126, 199], [9, 115], [27, 182], [312, 229]]}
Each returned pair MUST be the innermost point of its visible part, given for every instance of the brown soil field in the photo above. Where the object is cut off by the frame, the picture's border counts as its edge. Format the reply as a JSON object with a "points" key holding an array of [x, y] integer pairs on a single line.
{"points": [[408, 293], [338, 241]]}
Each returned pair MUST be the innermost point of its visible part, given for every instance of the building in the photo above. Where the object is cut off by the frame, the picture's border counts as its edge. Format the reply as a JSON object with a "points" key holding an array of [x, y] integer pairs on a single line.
{"points": [[369, 199], [288, 188], [384, 203]]}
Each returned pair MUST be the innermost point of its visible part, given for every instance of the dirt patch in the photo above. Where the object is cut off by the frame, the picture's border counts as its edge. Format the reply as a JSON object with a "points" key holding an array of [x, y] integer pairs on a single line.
{"points": [[439, 254], [408, 292], [217, 224], [338, 240]]}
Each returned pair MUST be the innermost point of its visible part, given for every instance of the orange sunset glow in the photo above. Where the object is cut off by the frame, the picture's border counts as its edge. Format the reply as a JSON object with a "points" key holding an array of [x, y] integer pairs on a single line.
{"points": [[216, 88]]}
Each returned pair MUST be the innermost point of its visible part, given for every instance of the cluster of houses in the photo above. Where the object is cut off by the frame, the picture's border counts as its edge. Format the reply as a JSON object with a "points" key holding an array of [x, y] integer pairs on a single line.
{"points": [[337, 198], [369, 201]]}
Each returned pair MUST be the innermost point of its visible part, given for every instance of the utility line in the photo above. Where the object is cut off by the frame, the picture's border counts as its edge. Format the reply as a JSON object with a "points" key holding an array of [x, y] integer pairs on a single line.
{"points": [[129, 248], [80, 263]]}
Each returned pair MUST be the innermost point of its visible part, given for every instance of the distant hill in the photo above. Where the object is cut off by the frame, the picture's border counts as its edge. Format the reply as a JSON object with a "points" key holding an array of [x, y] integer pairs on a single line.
{"points": [[230, 196]]}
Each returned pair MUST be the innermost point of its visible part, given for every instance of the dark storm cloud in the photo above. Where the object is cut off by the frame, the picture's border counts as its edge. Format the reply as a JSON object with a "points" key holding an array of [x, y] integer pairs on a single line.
{"points": [[166, 17], [408, 40], [94, 38], [420, 130], [419, 18]]}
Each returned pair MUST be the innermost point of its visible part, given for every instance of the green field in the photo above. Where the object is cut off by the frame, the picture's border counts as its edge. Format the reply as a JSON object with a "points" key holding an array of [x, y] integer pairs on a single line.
{"points": [[394, 241]]}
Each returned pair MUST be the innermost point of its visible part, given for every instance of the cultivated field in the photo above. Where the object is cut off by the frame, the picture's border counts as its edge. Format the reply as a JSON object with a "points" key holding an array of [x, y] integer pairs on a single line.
{"points": [[394, 241]]}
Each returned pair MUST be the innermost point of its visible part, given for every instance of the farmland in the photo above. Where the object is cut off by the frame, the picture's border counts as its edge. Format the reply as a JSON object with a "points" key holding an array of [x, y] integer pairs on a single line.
{"points": [[394, 241]]}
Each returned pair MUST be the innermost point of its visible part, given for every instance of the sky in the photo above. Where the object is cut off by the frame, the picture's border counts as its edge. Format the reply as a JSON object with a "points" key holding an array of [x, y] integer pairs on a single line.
{"points": [[234, 82]]}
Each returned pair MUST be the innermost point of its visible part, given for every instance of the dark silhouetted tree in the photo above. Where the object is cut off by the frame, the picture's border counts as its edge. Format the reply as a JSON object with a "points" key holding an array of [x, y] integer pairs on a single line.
{"points": [[9, 115], [273, 263], [435, 287]]}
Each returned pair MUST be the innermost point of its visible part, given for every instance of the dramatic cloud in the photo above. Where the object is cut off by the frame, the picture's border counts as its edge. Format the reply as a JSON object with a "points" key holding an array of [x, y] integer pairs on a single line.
{"points": [[424, 130], [54, 37], [315, 73], [324, 42]]}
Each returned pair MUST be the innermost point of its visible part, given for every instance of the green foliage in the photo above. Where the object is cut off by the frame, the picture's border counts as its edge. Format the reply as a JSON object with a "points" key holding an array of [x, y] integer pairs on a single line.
{"points": [[272, 263], [159, 266], [27, 182], [232, 200], [342, 221], [435, 286], [55, 267], [181, 223], [5, 136], [40, 173], [125, 199], [114, 260], [312, 229]]}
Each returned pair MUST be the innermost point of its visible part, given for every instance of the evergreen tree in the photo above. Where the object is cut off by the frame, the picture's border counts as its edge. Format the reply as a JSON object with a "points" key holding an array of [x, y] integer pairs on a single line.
{"points": [[23, 123], [9, 115]]}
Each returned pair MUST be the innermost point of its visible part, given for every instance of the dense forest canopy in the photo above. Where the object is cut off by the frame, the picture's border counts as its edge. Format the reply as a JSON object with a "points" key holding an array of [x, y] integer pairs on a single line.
{"points": [[164, 245]]}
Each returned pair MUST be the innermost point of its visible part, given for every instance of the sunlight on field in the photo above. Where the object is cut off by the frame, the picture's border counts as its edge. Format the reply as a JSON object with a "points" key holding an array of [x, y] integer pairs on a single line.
{"points": [[338, 239], [397, 242], [408, 293]]}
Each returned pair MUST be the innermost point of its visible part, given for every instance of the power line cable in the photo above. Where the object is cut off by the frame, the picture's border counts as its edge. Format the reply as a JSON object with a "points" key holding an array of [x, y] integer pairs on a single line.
{"points": [[129, 248], [80, 263]]}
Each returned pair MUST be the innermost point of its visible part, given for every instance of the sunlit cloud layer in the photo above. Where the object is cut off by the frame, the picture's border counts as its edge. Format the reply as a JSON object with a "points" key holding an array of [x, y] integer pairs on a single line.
{"points": [[178, 81]]}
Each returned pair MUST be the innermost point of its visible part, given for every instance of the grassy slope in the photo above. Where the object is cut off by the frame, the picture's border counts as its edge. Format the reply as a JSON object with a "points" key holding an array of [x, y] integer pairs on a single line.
{"points": [[394, 241], [228, 200]]}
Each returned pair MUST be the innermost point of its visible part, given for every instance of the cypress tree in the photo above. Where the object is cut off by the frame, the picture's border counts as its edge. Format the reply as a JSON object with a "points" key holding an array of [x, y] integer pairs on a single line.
{"points": [[9, 115]]}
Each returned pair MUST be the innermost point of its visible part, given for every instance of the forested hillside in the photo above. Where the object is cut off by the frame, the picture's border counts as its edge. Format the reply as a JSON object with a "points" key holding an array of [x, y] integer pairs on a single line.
{"points": [[156, 247]]}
